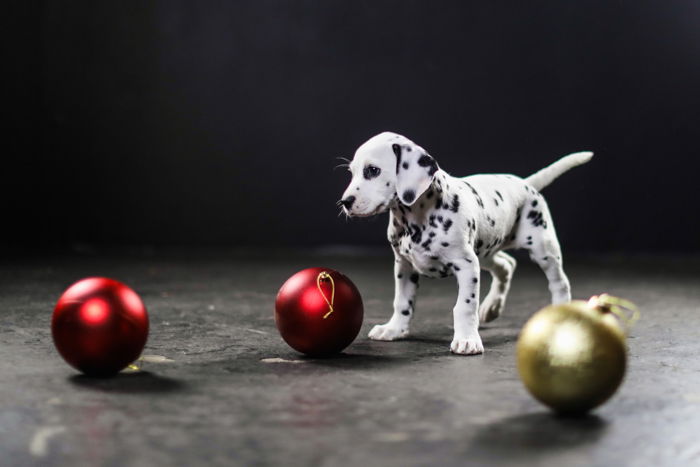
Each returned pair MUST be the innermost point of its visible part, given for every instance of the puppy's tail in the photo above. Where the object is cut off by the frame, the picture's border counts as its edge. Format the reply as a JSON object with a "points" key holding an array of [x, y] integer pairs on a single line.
{"points": [[544, 177]]}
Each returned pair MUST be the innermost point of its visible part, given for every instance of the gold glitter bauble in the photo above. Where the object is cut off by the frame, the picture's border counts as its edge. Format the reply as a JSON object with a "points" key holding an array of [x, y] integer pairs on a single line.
{"points": [[572, 357]]}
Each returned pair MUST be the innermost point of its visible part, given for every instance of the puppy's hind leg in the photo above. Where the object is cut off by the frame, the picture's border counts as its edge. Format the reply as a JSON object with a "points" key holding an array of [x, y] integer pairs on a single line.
{"points": [[542, 243], [406, 284], [501, 266]]}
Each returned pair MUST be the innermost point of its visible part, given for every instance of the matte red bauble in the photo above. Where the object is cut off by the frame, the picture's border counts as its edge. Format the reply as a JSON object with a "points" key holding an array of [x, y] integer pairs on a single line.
{"points": [[99, 326], [319, 311]]}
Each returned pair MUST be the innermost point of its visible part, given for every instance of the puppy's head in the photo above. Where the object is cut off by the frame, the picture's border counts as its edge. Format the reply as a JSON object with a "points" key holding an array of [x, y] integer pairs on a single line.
{"points": [[384, 167]]}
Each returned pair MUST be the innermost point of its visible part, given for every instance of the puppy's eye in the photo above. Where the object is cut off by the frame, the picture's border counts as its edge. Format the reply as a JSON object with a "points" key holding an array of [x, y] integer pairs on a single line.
{"points": [[371, 172]]}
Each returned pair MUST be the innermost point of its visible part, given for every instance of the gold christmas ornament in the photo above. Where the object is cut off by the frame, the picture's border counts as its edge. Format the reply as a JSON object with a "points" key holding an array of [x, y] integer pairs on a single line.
{"points": [[572, 356]]}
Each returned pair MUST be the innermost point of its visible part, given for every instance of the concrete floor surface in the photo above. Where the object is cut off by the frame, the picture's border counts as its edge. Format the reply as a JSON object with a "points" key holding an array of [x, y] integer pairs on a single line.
{"points": [[232, 393]]}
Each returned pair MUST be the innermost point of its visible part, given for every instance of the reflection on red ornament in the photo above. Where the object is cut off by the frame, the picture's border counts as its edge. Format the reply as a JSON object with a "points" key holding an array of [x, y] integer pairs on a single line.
{"points": [[94, 311]]}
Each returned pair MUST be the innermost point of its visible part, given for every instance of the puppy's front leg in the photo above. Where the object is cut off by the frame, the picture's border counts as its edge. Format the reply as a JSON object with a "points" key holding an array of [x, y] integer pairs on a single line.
{"points": [[406, 283], [466, 339]]}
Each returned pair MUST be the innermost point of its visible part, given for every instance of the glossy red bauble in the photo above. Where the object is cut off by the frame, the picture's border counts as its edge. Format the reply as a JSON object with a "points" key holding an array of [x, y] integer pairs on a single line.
{"points": [[99, 326], [318, 311]]}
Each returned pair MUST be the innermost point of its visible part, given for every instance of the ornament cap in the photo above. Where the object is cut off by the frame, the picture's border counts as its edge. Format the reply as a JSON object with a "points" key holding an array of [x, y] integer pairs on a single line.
{"points": [[626, 311]]}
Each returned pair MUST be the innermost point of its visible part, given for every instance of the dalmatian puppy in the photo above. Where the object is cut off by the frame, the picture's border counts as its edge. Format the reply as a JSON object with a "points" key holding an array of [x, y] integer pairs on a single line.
{"points": [[440, 226]]}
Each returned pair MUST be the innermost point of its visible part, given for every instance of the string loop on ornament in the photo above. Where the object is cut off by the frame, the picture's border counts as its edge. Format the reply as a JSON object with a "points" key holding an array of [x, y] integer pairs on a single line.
{"points": [[323, 275], [627, 311]]}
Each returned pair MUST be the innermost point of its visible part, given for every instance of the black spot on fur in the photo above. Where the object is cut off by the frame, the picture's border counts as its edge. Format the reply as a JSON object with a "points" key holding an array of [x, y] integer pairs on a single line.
{"points": [[405, 312], [405, 165], [536, 218], [498, 193], [427, 161], [426, 244], [431, 234], [414, 277], [429, 194], [468, 301], [473, 295], [399, 275], [475, 280], [479, 201], [416, 233], [534, 203], [447, 224], [455, 204], [445, 244], [479, 243], [397, 150]]}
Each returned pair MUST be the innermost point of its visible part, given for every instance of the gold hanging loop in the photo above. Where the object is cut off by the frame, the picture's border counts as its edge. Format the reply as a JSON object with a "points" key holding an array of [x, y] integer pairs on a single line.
{"points": [[625, 310], [323, 275]]}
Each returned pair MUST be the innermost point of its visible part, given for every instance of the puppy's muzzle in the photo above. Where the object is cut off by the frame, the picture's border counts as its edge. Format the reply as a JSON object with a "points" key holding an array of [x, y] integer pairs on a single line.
{"points": [[347, 202]]}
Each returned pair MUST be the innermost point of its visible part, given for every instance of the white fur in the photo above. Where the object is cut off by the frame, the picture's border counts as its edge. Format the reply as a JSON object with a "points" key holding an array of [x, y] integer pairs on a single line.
{"points": [[475, 219]]}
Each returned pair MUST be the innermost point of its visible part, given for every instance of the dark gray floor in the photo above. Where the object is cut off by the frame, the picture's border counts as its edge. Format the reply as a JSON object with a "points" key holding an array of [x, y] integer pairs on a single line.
{"points": [[220, 402]]}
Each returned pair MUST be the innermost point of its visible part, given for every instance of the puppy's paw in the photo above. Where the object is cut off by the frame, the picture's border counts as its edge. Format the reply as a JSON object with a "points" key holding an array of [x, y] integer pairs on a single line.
{"points": [[387, 332], [490, 309], [470, 345]]}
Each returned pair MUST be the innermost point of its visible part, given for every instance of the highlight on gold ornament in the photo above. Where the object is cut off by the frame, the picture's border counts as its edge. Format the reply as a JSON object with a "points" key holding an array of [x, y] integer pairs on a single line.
{"points": [[572, 357]]}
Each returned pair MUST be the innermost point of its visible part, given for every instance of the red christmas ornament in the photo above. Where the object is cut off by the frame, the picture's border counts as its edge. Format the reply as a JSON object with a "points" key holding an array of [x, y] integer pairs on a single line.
{"points": [[99, 326], [318, 311]]}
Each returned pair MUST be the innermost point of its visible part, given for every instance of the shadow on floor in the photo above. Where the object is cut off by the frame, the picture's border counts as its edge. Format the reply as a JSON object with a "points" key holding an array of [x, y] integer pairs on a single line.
{"points": [[135, 383], [537, 434], [357, 360]]}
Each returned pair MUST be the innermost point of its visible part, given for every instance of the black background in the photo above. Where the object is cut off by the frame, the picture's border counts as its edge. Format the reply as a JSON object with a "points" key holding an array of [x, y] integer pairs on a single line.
{"points": [[218, 123]]}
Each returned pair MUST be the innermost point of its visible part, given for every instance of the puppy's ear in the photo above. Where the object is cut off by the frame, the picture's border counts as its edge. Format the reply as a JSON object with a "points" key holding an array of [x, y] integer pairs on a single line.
{"points": [[414, 174]]}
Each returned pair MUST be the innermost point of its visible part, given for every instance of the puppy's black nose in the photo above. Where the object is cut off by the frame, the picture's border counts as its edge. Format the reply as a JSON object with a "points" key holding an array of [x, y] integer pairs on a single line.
{"points": [[347, 202]]}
